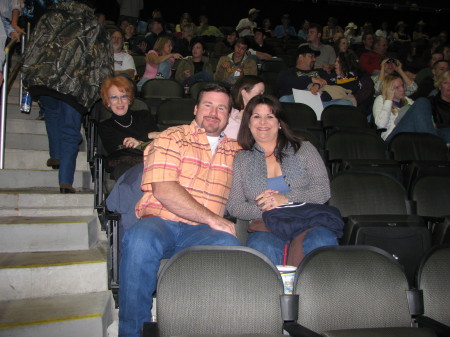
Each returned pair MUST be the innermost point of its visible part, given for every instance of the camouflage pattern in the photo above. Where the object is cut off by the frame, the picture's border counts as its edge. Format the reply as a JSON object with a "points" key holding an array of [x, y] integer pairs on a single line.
{"points": [[69, 52]]}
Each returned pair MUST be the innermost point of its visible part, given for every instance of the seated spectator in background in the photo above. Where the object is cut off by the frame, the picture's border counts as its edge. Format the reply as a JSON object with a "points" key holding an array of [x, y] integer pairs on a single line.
{"points": [[441, 101], [11, 11], [224, 47], [342, 45], [123, 62], [400, 34], [157, 29], [246, 25], [182, 45], [351, 33], [396, 113], [242, 92], [419, 32], [261, 50], [285, 30], [267, 27], [330, 29], [384, 31], [205, 29], [123, 23], [432, 58], [101, 18], [303, 30], [284, 168], [179, 208], [426, 87], [304, 77], [366, 44], [184, 18], [390, 66], [159, 61], [195, 68], [370, 61], [350, 76], [235, 65], [126, 130], [136, 44], [327, 55]]}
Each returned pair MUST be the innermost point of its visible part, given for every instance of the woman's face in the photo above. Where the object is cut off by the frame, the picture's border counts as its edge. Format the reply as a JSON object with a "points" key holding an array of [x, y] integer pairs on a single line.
{"points": [[399, 90], [197, 50], [264, 125], [343, 45], [258, 89], [118, 100], [444, 87]]}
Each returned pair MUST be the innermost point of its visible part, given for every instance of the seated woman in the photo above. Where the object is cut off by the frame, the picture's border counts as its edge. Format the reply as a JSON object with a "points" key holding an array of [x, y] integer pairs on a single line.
{"points": [[390, 66], [243, 91], [274, 168], [126, 130], [159, 60], [441, 101], [396, 113], [195, 68]]}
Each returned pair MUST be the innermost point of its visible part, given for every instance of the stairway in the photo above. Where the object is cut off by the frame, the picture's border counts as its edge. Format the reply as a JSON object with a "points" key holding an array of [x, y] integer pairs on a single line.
{"points": [[53, 268]]}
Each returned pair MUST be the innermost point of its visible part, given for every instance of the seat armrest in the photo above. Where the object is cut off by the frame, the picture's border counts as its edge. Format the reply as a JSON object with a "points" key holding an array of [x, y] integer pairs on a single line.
{"points": [[298, 330], [440, 329]]}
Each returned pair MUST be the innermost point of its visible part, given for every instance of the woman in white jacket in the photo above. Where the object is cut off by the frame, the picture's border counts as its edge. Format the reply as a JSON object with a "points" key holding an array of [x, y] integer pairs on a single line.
{"points": [[396, 113]]}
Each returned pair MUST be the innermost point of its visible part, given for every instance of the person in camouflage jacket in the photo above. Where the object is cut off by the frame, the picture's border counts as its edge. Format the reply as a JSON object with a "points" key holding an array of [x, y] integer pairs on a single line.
{"points": [[65, 61]]}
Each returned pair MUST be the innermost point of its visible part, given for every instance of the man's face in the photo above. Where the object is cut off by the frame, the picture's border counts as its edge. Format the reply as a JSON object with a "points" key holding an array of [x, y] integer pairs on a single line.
{"points": [[306, 61], [439, 68], [313, 35], [212, 112], [381, 46], [240, 49], [259, 37], [117, 41]]}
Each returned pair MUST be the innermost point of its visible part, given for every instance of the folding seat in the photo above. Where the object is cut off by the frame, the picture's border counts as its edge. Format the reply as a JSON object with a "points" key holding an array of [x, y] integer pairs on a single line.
{"points": [[303, 120], [195, 89], [274, 65], [155, 91], [433, 279], [360, 151], [377, 212], [353, 291], [345, 117], [219, 290], [420, 154], [432, 197], [177, 111]]}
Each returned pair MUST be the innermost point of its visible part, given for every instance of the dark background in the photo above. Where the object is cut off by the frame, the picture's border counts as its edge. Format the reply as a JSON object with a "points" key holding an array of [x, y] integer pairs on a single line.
{"points": [[228, 13]]}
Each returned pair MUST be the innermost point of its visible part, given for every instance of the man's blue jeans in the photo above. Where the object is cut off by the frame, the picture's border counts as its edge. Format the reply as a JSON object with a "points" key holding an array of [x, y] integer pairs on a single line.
{"points": [[63, 124], [144, 245], [419, 118], [273, 247]]}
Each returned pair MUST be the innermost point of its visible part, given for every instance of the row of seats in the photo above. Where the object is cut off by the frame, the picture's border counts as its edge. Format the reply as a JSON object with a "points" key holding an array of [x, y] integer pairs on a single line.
{"points": [[338, 291]]}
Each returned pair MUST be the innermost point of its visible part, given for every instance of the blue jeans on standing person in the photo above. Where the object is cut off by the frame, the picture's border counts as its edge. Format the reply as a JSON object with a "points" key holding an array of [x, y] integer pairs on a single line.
{"points": [[273, 247], [419, 118], [63, 124], [144, 245]]}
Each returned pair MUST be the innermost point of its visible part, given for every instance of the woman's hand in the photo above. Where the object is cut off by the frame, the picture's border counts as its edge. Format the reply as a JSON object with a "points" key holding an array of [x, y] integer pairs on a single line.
{"points": [[177, 56], [390, 92], [131, 142], [270, 199]]}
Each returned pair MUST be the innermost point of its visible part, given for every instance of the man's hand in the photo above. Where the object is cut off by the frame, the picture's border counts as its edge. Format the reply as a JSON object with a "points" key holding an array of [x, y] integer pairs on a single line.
{"points": [[224, 225]]}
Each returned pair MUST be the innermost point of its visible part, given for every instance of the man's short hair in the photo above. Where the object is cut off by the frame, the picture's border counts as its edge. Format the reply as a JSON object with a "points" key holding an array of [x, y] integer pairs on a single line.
{"points": [[315, 26]]}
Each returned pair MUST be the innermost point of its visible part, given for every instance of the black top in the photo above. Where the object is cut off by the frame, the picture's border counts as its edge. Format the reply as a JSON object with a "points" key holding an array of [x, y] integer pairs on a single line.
{"points": [[136, 124], [290, 78], [441, 109]]}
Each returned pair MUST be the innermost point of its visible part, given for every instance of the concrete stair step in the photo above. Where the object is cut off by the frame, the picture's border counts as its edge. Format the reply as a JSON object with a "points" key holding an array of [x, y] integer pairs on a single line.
{"points": [[24, 141], [37, 159], [44, 274], [38, 234], [83, 315], [16, 178], [13, 110], [26, 126]]}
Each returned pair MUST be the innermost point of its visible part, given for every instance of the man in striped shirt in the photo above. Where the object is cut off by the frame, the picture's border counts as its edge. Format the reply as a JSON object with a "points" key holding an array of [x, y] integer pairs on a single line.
{"points": [[186, 182]]}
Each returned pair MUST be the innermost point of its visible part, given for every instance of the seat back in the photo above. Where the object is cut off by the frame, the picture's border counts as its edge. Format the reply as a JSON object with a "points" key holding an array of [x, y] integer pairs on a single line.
{"points": [[219, 290], [351, 287], [432, 196], [273, 65], [172, 112], [434, 279], [413, 146], [366, 193], [343, 116], [162, 88], [195, 89]]}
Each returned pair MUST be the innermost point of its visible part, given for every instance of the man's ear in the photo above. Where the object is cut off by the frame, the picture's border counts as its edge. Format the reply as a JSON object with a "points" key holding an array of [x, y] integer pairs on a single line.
{"points": [[195, 110]]}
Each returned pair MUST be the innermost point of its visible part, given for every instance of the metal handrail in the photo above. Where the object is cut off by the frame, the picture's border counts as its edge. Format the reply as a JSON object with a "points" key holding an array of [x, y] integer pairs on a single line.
{"points": [[4, 98]]}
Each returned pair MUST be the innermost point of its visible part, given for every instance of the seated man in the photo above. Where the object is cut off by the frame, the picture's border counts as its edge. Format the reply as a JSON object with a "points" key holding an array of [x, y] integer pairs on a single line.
{"points": [[304, 77], [123, 62], [259, 48], [186, 184]]}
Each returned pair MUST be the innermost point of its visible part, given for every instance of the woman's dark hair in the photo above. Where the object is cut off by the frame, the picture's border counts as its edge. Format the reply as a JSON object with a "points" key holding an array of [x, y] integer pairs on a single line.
{"points": [[246, 82], [196, 40], [349, 62], [286, 136]]}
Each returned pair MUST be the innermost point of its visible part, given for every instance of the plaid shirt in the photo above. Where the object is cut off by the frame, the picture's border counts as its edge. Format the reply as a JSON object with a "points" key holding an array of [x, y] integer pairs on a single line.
{"points": [[183, 154]]}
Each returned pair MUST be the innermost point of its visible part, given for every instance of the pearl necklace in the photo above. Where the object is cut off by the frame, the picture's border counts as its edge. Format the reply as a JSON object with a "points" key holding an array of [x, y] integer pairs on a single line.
{"points": [[131, 122]]}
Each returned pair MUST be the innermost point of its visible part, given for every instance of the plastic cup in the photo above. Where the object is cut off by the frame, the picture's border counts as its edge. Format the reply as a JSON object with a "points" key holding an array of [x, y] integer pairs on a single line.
{"points": [[288, 275]]}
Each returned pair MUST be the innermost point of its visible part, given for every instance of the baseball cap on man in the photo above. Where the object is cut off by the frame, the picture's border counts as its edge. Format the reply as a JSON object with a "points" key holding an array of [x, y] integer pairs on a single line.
{"points": [[253, 11], [304, 48]]}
